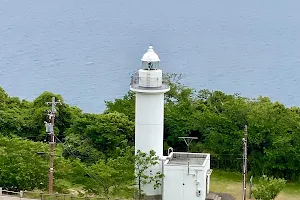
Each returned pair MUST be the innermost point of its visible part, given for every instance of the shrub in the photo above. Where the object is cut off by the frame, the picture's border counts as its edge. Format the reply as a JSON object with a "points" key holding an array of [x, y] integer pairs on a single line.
{"points": [[268, 188]]}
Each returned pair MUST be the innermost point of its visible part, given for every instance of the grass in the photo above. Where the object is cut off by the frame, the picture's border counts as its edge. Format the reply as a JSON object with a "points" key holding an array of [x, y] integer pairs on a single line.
{"points": [[231, 182]]}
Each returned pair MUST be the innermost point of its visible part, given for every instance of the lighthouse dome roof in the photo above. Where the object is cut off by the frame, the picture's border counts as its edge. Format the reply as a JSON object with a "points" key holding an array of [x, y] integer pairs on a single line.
{"points": [[150, 56]]}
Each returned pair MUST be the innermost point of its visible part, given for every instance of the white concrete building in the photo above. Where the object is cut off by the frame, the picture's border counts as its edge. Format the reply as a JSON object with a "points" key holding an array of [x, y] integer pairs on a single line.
{"points": [[186, 174]]}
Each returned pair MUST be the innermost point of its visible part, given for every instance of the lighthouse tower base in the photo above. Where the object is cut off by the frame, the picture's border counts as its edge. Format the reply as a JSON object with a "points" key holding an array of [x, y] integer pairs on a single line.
{"points": [[149, 133], [149, 115]]}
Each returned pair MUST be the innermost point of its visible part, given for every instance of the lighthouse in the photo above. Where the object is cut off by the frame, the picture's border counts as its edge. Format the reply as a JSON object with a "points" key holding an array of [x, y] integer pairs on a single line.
{"points": [[150, 88], [186, 174]]}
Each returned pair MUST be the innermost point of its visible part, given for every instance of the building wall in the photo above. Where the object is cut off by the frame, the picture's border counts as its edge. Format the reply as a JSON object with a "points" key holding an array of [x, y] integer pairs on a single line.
{"points": [[148, 189], [179, 184], [173, 183], [206, 168]]}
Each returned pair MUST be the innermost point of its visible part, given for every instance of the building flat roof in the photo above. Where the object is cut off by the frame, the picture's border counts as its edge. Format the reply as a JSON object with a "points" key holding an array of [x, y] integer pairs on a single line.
{"points": [[179, 158]]}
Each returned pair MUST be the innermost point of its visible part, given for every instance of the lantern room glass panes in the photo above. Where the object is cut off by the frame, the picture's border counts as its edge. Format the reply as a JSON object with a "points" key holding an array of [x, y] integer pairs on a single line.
{"points": [[150, 65]]}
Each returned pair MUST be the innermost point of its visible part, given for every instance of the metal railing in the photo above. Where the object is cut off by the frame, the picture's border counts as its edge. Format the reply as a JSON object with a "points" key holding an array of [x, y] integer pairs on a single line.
{"points": [[151, 83], [10, 193]]}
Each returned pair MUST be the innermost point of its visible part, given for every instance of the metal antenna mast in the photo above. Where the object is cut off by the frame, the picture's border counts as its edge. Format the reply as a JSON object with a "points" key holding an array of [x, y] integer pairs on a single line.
{"points": [[245, 163], [50, 129], [188, 141]]}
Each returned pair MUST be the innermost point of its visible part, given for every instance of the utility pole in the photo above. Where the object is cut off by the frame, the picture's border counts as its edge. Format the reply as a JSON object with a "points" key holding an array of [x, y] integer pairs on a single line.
{"points": [[50, 129], [245, 163]]}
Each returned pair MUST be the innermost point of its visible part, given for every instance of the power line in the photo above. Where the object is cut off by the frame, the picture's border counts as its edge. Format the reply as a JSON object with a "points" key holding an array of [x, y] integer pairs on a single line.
{"points": [[74, 156]]}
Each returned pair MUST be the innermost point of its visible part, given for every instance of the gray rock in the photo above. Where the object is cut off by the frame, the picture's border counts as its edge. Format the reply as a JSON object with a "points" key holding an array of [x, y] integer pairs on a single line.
{"points": [[225, 196]]}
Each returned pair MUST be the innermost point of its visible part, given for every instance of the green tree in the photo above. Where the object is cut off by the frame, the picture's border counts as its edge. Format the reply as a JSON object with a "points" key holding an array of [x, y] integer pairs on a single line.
{"points": [[126, 105], [21, 168], [20, 164], [82, 148], [63, 115], [3, 98], [26, 119], [101, 132], [111, 177], [143, 162]]}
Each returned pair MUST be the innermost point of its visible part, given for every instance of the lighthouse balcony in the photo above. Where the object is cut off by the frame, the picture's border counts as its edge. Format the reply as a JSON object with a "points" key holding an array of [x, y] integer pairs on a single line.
{"points": [[150, 83]]}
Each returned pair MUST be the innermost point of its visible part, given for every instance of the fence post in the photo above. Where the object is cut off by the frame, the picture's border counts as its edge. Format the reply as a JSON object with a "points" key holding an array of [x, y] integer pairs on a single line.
{"points": [[250, 192], [41, 194], [21, 194], [0, 191]]}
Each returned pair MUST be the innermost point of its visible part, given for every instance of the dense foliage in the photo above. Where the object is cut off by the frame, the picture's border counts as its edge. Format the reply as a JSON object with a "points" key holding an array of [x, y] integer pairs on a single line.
{"points": [[218, 120], [22, 166], [268, 188], [85, 144], [94, 136], [90, 142]]}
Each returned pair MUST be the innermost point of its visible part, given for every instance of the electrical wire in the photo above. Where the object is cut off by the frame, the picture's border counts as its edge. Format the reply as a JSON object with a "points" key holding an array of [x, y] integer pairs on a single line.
{"points": [[101, 181]]}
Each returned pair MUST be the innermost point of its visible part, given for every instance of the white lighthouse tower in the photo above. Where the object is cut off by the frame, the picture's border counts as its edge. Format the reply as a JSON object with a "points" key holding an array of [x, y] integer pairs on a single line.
{"points": [[149, 109], [186, 175]]}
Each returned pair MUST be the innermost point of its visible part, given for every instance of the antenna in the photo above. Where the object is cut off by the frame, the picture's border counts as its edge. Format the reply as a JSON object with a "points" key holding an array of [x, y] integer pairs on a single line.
{"points": [[188, 141]]}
